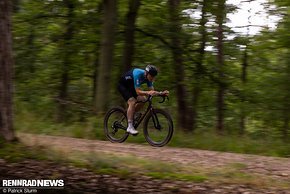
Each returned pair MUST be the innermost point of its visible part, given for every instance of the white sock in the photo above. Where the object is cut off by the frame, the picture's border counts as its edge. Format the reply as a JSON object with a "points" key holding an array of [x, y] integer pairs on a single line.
{"points": [[130, 124]]}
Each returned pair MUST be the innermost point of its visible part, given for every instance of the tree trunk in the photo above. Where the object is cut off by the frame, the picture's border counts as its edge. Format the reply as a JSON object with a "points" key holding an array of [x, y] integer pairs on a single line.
{"points": [[286, 111], [106, 55], [100, 9], [95, 78], [175, 29], [68, 52], [31, 49], [6, 73], [220, 59], [285, 130], [16, 5], [244, 81], [128, 52], [192, 120]]}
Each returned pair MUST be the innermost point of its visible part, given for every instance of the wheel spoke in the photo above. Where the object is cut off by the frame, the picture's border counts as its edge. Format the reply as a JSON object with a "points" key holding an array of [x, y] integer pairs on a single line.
{"points": [[115, 125]]}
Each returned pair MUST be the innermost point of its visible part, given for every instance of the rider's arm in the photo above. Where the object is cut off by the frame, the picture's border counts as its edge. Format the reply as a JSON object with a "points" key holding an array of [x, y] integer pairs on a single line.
{"points": [[151, 92], [165, 92], [145, 93]]}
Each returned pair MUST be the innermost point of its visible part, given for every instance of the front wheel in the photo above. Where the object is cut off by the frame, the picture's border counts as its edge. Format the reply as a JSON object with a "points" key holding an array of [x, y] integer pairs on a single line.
{"points": [[115, 125], [158, 128]]}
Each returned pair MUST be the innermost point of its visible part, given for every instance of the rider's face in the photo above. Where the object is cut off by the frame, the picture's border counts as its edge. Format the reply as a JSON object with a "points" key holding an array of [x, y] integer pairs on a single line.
{"points": [[150, 77]]}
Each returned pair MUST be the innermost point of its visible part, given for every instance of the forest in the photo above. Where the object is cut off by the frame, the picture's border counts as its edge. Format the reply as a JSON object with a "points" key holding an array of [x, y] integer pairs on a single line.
{"points": [[68, 56]]}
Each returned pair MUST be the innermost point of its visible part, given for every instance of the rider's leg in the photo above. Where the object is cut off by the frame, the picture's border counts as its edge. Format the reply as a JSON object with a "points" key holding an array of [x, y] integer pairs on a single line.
{"points": [[131, 108], [139, 106], [130, 115]]}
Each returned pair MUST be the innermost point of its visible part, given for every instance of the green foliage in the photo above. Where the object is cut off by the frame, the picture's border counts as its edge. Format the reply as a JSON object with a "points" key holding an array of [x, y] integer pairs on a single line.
{"points": [[41, 47], [26, 121], [255, 142], [16, 151]]}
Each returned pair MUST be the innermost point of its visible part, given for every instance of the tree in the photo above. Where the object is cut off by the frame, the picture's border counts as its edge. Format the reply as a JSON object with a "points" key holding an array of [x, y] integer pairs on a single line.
{"points": [[284, 58], [106, 55], [286, 109], [177, 52], [245, 65], [128, 52], [67, 61], [220, 17], [199, 71], [6, 73]]}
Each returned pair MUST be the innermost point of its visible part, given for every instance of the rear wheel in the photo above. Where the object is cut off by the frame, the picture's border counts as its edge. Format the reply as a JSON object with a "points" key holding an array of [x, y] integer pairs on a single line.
{"points": [[115, 125], [158, 128]]}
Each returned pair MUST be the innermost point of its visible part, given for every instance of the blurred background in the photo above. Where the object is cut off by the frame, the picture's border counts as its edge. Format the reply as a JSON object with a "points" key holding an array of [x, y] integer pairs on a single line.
{"points": [[225, 63]]}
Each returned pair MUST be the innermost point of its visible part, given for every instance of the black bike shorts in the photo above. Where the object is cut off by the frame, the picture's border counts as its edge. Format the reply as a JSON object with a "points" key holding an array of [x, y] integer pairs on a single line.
{"points": [[127, 90]]}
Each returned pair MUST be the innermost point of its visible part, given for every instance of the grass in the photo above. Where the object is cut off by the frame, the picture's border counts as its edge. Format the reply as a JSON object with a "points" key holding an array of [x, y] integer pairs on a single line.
{"points": [[232, 143], [91, 129], [16, 152], [206, 140]]}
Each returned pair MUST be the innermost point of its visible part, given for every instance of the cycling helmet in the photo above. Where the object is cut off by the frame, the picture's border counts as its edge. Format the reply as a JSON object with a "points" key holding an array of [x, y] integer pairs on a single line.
{"points": [[152, 70]]}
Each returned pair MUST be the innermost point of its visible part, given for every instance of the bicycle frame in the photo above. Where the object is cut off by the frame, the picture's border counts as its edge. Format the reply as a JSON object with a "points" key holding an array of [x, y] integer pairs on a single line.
{"points": [[150, 117], [149, 109]]}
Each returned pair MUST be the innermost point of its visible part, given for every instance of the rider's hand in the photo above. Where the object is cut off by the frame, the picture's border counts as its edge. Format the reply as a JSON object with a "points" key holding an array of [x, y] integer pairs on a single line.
{"points": [[153, 93]]}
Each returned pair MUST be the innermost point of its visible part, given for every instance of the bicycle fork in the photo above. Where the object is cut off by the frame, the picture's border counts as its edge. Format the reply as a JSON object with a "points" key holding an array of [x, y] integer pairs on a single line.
{"points": [[155, 120]]}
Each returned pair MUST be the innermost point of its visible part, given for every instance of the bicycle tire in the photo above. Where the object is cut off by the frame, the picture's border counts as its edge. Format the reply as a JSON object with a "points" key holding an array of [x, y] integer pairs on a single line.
{"points": [[148, 120], [111, 129]]}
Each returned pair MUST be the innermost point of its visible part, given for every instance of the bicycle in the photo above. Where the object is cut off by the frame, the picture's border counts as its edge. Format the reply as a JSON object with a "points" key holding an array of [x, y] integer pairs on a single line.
{"points": [[157, 128]]}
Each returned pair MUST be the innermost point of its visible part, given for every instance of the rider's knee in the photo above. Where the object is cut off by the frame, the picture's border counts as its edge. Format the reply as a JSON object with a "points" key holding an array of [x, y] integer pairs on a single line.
{"points": [[131, 101], [141, 98]]}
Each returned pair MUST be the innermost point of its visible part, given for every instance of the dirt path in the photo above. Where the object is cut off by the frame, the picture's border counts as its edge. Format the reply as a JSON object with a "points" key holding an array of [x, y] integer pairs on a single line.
{"points": [[276, 168], [266, 166]]}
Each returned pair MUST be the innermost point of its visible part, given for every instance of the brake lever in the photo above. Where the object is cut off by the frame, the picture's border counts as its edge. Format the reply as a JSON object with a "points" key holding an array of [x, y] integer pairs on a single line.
{"points": [[164, 98]]}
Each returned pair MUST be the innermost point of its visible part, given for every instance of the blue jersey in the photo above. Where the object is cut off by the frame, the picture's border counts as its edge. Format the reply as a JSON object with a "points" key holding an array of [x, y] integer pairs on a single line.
{"points": [[139, 78], [130, 81], [135, 78]]}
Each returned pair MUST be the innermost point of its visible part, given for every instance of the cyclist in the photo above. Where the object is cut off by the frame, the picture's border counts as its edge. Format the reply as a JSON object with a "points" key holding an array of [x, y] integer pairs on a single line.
{"points": [[130, 88]]}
